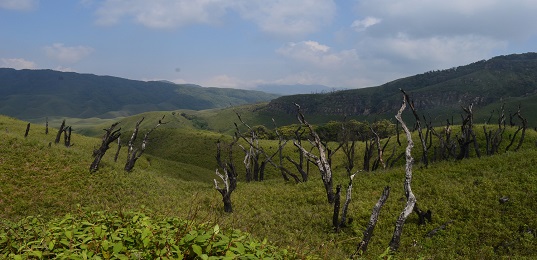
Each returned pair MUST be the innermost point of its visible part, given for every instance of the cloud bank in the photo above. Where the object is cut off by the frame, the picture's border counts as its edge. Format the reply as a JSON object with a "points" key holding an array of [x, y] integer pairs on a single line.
{"points": [[17, 63], [67, 54], [280, 17]]}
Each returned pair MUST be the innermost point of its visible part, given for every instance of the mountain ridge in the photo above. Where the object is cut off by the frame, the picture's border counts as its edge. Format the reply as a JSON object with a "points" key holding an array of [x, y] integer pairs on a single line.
{"points": [[30, 94], [502, 79]]}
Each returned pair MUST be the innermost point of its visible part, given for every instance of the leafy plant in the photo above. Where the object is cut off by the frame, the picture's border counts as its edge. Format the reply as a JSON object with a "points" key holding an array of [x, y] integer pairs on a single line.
{"points": [[129, 235]]}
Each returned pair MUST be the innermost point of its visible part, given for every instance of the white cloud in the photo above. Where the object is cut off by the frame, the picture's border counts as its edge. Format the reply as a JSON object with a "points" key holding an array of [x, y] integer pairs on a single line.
{"points": [[280, 17], [18, 63], [289, 17], [67, 54], [223, 81], [64, 69], [316, 54], [488, 18], [162, 13], [19, 5], [440, 49], [406, 37], [361, 25]]}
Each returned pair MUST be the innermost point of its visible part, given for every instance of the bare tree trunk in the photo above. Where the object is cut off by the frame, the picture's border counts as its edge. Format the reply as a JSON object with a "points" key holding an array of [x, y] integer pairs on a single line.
{"points": [[524, 127], [229, 178], [27, 130], [321, 160], [467, 135], [283, 170], [118, 149], [368, 153], [494, 140], [380, 150], [60, 131], [348, 198], [67, 136], [134, 135], [230, 183], [424, 158], [299, 167], [368, 233], [337, 203], [137, 153], [110, 136], [411, 199]]}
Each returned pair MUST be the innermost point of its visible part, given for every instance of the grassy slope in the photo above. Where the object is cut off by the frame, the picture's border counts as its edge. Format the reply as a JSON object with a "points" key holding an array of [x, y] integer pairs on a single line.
{"points": [[36, 94], [51, 181]]}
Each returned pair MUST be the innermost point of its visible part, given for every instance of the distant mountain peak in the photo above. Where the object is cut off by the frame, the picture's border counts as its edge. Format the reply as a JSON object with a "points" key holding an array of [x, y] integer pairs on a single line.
{"points": [[293, 89]]}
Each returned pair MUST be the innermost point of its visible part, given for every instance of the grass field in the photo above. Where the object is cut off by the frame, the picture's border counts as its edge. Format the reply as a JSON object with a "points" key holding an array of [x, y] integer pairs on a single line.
{"points": [[174, 179]]}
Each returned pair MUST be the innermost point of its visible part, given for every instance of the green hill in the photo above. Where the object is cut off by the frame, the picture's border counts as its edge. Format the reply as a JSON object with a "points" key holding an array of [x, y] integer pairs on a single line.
{"points": [[175, 180], [36, 94], [510, 79]]}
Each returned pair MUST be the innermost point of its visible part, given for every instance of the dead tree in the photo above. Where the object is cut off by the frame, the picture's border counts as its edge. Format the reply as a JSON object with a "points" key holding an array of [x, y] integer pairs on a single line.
{"points": [[380, 152], [424, 157], [255, 166], [229, 178], [522, 128], [281, 143], [335, 215], [331, 151], [110, 136], [494, 139], [442, 151], [27, 130], [300, 164], [345, 208], [135, 153], [368, 154], [321, 160], [130, 145], [368, 233], [118, 149], [67, 136], [349, 149], [230, 183], [467, 135], [60, 131], [411, 199]]}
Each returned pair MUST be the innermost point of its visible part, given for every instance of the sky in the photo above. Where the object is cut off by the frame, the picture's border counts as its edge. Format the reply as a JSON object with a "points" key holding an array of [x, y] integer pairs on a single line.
{"points": [[245, 43]]}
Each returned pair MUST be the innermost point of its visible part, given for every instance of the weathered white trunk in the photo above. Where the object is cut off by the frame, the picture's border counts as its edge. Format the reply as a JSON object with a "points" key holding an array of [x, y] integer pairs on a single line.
{"points": [[411, 199]]}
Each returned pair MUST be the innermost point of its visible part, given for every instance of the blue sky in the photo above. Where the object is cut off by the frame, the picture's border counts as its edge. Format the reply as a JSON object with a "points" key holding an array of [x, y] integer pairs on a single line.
{"points": [[245, 43]]}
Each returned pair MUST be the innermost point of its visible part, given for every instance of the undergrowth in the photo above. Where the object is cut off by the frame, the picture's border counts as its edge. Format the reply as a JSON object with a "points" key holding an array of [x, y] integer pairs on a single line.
{"points": [[49, 181], [129, 235]]}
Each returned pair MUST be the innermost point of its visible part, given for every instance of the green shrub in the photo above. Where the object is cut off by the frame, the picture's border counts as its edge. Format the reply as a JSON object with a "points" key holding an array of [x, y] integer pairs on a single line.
{"points": [[128, 235]]}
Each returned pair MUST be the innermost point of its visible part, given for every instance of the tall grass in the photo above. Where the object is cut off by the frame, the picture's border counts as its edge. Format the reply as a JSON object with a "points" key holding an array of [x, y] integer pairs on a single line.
{"points": [[38, 179]]}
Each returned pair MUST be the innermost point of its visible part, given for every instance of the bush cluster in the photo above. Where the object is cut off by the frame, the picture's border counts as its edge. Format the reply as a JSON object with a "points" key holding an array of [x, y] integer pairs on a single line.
{"points": [[132, 235]]}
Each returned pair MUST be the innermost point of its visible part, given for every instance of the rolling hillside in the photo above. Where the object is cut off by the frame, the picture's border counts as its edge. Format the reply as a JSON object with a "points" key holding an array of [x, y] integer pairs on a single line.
{"points": [[51, 181], [510, 79], [36, 94]]}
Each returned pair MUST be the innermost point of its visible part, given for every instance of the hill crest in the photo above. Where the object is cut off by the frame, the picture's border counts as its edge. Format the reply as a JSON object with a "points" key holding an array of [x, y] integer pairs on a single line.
{"points": [[502, 79], [31, 94]]}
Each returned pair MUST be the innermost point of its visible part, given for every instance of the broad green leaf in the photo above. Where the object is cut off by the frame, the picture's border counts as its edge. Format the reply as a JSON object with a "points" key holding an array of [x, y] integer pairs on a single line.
{"points": [[145, 233], [105, 244], [69, 234], [197, 250], [146, 241], [37, 254], [118, 246]]}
